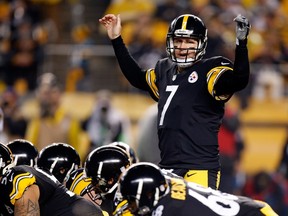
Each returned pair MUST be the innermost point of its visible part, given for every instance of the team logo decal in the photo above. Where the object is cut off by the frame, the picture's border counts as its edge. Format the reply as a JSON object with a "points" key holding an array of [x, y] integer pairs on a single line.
{"points": [[193, 77]]}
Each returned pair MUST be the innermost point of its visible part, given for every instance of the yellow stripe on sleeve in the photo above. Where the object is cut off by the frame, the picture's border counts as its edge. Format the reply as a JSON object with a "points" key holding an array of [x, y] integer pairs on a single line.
{"points": [[212, 76], [267, 210], [80, 184], [151, 80], [20, 183]]}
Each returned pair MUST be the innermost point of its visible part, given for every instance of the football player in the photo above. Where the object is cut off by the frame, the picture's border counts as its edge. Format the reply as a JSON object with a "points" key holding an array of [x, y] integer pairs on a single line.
{"points": [[191, 92], [26, 190], [60, 159], [103, 167], [147, 192]]}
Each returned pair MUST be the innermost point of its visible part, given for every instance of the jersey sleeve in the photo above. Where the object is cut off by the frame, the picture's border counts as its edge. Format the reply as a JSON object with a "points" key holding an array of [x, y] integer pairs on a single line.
{"points": [[151, 80], [236, 79], [213, 77], [129, 67], [20, 182], [266, 209], [77, 183]]}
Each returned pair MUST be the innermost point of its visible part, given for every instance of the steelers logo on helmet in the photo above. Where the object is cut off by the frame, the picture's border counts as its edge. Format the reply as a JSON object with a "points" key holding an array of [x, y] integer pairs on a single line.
{"points": [[186, 26]]}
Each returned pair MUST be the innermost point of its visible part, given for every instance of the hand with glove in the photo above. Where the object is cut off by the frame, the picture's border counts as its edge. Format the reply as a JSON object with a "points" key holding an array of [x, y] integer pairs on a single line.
{"points": [[242, 29]]}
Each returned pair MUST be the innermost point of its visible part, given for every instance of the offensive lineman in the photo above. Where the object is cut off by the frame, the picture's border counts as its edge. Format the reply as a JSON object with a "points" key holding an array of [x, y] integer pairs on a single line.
{"points": [[26, 190]]}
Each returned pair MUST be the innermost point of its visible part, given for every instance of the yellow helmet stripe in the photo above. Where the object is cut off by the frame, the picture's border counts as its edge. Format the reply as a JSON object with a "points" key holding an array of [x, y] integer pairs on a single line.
{"points": [[184, 22]]}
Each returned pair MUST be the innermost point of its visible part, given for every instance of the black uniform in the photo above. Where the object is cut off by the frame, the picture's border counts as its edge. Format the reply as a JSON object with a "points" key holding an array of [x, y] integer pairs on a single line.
{"points": [[192, 199], [190, 103], [54, 199], [78, 183]]}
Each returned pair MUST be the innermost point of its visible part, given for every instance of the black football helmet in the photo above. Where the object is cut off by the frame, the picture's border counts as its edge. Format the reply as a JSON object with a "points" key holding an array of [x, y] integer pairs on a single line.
{"points": [[60, 159], [142, 185], [104, 165], [129, 151], [24, 152], [188, 26], [6, 159]]}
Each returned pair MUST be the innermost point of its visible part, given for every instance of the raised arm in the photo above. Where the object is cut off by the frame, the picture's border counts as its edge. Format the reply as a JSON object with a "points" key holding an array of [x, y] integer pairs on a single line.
{"points": [[28, 204], [237, 79], [112, 23], [129, 67]]}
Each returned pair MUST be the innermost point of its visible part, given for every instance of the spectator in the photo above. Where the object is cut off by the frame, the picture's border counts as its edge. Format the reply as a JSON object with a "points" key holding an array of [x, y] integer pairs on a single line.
{"points": [[106, 124], [52, 118], [147, 139], [283, 163], [78, 77], [15, 124], [231, 145], [263, 186]]}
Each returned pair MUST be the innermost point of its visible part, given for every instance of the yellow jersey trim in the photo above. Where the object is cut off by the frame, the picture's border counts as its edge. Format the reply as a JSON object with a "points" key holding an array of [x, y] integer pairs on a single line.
{"points": [[151, 80], [20, 183]]}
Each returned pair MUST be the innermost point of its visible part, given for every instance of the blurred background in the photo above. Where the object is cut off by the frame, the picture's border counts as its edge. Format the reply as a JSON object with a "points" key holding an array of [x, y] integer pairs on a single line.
{"points": [[57, 69]]}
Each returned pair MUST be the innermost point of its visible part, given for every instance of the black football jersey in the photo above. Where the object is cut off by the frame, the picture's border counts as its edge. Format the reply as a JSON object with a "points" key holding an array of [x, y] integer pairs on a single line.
{"points": [[191, 199], [54, 199], [189, 112], [190, 103]]}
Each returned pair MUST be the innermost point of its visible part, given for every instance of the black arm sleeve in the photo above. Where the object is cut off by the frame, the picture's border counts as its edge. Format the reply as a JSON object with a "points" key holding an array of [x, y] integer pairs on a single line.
{"points": [[129, 67], [237, 80]]}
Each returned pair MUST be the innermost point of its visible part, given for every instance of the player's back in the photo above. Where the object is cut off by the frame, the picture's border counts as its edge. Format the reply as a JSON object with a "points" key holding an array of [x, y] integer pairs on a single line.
{"points": [[186, 198], [54, 198]]}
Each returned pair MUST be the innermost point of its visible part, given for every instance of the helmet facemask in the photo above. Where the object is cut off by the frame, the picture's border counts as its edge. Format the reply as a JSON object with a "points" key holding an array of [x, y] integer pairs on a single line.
{"points": [[63, 170], [143, 185], [4, 166], [104, 165], [192, 28], [143, 203], [100, 189]]}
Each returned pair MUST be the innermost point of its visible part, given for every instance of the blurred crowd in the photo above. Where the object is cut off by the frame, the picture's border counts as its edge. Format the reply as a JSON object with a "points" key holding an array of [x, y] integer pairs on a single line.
{"points": [[25, 30]]}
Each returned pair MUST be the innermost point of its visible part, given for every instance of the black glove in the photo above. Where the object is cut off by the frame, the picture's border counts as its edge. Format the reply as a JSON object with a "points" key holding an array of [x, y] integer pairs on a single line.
{"points": [[242, 29]]}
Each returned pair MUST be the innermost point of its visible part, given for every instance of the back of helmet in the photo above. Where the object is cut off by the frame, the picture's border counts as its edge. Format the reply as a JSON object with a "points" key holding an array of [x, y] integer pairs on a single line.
{"points": [[24, 152]]}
